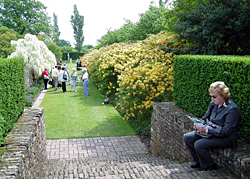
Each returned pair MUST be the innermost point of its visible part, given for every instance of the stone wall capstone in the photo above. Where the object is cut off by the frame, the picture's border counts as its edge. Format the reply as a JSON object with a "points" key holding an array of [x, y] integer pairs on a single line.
{"points": [[25, 146], [168, 126]]}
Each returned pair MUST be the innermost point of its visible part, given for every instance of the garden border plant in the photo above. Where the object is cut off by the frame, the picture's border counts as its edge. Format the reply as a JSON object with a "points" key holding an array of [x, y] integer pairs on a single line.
{"points": [[33, 91]]}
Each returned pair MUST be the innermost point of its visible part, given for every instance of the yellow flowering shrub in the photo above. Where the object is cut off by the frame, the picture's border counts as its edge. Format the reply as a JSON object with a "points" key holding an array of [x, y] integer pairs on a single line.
{"points": [[134, 75]]}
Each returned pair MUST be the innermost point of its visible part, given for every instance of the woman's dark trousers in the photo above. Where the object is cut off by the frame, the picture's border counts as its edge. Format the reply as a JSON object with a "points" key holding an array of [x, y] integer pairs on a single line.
{"points": [[45, 83], [64, 86], [199, 147]]}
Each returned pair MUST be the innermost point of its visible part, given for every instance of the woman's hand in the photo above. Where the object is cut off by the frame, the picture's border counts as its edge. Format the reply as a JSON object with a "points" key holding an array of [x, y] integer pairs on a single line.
{"points": [[200, 129]]}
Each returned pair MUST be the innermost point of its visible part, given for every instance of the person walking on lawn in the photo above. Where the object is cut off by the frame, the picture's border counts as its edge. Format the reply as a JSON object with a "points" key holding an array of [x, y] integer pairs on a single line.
{"points": [[85, 81], [61, 79], [74, 79], [55, 74], [45, 75]]}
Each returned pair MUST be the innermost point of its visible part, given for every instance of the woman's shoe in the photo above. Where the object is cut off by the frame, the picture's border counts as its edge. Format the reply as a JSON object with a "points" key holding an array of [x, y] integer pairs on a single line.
{"points": [[213, 167], [195, 165]]}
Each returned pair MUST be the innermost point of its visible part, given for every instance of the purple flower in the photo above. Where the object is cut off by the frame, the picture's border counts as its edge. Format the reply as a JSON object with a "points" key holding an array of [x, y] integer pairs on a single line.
{"points": [[28, 99]]}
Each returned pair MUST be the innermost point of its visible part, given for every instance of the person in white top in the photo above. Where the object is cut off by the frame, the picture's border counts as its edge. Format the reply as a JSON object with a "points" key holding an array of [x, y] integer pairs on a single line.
{"points": [[54, 75], [85, 81], [61, 79]]}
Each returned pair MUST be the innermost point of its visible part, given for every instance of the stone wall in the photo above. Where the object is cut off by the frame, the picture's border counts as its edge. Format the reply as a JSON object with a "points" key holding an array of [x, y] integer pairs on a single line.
{"points": [[25, 146], [169, 124], [28, 77]]}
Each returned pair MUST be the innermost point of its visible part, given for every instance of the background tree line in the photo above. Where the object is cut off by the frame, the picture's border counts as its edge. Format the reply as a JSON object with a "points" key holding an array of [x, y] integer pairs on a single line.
{"points": [[213, 27], [204, 26], [20, 17]]}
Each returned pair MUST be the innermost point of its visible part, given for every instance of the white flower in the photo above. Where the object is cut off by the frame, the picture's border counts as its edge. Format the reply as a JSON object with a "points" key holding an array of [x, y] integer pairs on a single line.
{"points": [[35, 53]]}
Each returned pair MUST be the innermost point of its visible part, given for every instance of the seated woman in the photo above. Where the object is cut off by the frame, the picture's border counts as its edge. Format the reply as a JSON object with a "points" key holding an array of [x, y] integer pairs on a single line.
{"points": [[223, 112]]}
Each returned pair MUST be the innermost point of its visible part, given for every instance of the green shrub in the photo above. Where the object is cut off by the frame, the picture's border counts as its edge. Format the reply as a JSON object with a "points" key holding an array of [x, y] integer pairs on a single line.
{"points": [[12, 96], [72, 55], [2, 122], [194, 74], [141, 127]]}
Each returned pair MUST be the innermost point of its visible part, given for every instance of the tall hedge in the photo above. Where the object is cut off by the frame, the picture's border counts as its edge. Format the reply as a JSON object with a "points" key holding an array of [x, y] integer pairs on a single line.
{"points": [[194, 74], [74, 56], [12, 96]]}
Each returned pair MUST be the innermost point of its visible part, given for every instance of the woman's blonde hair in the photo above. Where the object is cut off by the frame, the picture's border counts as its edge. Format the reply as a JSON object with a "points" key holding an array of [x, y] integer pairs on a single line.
{"points": [[220, 88], [73, 69]]}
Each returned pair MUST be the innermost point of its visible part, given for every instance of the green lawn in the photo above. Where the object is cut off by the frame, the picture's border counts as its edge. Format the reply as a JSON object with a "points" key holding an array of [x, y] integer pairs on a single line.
{"points": [[74, 115]]}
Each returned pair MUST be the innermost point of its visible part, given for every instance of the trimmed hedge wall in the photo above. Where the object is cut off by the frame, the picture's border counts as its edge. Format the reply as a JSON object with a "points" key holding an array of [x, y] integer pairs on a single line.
{"points": [[74, 56], [194, 74], [12, 96]]}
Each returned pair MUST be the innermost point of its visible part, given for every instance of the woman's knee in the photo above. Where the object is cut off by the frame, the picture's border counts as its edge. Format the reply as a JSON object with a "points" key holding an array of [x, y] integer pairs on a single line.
{"points": [[186, 138], [199, 145], [189, 137]]}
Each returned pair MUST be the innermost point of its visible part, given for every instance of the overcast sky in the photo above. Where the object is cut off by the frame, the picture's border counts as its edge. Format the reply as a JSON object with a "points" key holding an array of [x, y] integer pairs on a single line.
{"points": [[99, 15]]}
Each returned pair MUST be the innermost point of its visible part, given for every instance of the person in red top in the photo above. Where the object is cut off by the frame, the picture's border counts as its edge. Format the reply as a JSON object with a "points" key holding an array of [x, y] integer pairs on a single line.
{"points": [[45, 78]]}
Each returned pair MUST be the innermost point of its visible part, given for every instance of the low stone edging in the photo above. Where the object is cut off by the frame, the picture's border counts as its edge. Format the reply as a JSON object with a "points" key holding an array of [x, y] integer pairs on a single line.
{"points": [[169, 124], [25, 146]]}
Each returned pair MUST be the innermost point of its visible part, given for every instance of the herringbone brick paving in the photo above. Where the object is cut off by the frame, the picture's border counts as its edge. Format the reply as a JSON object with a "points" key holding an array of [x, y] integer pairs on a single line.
{"points": [[115, 158]]}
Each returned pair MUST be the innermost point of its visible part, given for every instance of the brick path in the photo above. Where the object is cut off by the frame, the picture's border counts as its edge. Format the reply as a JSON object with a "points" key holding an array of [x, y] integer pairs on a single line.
{"points": [[113, 158], [94, 147]]}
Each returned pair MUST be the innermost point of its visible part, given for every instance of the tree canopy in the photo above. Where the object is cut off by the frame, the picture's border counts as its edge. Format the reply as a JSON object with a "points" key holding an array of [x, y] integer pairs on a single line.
{"points": [[64, 43], [56, 32], [53, 47], [212, 27], [24, 16], [77, 22], [151, 22], [67, 49], [6, 35]]}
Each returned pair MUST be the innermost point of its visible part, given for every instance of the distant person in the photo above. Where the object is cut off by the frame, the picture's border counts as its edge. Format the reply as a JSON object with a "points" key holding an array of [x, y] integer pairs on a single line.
{"points": [[70, 60], [55, 74], [85, 81], [61, 79], [65, 65], [74, 79], [77, 63], [45, 75], [53, 84]]}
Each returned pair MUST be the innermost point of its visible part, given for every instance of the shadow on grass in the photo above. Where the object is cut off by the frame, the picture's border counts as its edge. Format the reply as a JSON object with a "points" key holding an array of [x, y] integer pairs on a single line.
{"points": [[108, 127]]}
